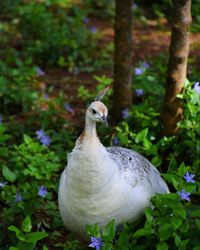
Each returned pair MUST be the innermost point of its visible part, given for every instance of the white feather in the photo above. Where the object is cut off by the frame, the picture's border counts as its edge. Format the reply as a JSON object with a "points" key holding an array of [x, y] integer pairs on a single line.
{"points": [[100, 183]]}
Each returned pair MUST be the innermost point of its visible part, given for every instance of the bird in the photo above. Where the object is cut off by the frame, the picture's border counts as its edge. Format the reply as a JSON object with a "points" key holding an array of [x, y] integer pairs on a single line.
{"points": [[103, 183]]}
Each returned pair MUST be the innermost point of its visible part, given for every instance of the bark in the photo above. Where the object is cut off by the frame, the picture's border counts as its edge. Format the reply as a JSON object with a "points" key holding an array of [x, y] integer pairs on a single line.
{"points": [[177, 65], [122, 58]]}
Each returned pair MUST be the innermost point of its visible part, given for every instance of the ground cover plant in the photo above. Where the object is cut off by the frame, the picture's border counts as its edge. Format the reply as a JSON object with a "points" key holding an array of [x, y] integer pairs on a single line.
{"points": [[40, 121]]}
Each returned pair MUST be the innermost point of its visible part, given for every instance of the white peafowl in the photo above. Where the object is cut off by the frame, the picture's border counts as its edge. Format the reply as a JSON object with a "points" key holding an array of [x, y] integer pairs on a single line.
{"points": [[101, 183]]}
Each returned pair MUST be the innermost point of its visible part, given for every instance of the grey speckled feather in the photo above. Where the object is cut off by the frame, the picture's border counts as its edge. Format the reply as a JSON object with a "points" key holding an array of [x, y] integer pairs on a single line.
{"points": [[137, 170]]}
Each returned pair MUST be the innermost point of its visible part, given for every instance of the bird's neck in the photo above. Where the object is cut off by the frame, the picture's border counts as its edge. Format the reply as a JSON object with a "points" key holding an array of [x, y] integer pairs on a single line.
{"points": [[89, 134], [90, 128]]}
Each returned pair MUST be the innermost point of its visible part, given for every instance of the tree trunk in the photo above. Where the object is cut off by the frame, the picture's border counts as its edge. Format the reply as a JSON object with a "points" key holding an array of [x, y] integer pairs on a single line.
{"points": [[122, 58], [177, 66]]}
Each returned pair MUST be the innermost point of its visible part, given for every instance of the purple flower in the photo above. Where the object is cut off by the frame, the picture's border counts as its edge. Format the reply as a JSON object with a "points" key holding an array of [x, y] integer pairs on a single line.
{"points": [[40, 133], [85, 20], [43, 137], [184, 195], [1, 119], [96, 243], [69, 108], [139, 92], [42, 191], [39, 71], [2, 184], [76, 71], [125, 113], [145, 65], [18, 197], [197, 87], [138, 71], [93, 29], [115, 141], [134, 6], [46, 96], [189, 177], [45, 140]]}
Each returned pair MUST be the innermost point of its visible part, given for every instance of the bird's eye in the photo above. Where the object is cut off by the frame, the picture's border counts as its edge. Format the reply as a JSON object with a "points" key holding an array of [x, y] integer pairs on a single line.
{"points": [[94, 111]]}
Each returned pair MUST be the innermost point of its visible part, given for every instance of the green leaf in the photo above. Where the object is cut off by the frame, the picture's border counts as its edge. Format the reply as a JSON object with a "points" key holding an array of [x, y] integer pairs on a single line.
{"points": [[44, 248], [27, 139], [185, 243], [196, 248], [14, 248], [4, 152], [197, 224], [172, 178], [35, 236], [196, 213], [177, 240], [170, 196], [141, 135], [148, 214], [164, 232], [109, 230], [26, 245], [8, 174], [107, 246], [147, 144], [181, 244], [93, 230], [162, 246], [124, 238], [143, 232], [123, 138], [176, 222], [3, 138], [186, 83], [2, 129], [184, 227], [27, 225], [182, 169], [156, 161], [18, 233], [180, 211], [151, 78], [179, 96]]}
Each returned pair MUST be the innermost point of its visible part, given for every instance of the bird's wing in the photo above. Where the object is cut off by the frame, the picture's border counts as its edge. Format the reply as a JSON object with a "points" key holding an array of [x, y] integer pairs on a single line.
{"points": [[137, 170]]}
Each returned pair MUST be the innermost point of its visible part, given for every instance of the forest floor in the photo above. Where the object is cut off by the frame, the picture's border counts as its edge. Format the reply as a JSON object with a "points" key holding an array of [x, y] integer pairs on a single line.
{"points": [[149, 40]]}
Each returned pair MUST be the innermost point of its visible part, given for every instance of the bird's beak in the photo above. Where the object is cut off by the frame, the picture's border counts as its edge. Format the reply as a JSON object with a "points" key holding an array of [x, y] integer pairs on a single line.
{"points": [[104, 120]]}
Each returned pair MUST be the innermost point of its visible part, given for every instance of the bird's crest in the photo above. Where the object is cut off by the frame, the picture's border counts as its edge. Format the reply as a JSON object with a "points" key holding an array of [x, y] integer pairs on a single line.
{"points": [[101, 94]]}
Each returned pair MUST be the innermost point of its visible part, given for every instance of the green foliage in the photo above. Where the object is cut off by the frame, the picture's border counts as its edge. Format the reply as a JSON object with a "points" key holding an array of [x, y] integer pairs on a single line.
{"points": [[195, 27], [27, 167], [103, 82], [16, 86], [54, 33], [162, 8], [189, 127], [33, 159], [26, 238], [101, 9], [43, 33]]}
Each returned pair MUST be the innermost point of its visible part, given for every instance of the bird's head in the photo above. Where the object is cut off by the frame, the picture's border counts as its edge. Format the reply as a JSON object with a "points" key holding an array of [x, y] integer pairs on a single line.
{"points": [[97, 112]]}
